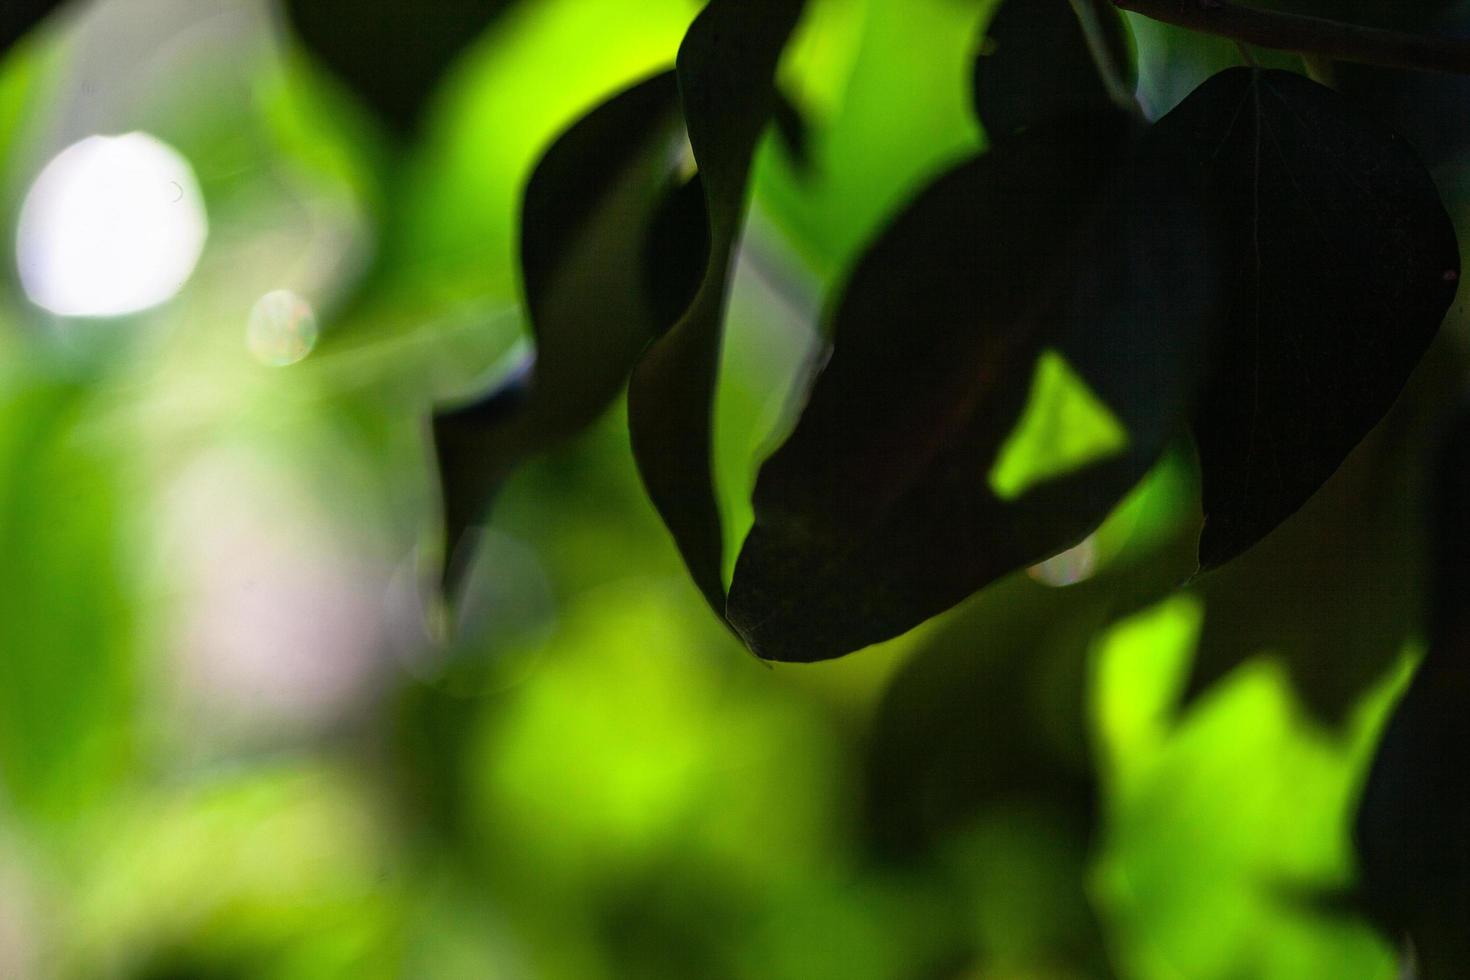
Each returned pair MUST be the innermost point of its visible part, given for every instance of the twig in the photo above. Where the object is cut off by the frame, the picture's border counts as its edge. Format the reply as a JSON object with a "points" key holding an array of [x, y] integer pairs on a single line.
{"points": [[1309, 35]]}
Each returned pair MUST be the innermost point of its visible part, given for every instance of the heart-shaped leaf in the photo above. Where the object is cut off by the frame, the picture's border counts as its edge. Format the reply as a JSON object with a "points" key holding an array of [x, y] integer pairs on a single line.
{"points": [[1344, 263], [590, 211], [1036, 62], [726, 68], [392, 54], [1334, 595], [1058, 254]]}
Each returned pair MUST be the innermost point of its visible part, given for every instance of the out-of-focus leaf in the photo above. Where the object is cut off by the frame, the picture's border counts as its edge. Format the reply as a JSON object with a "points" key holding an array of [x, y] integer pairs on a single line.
{"points": [[881, 83], [1010, 669], [391, 54], [1413, 827], [1219, 819], [1036, 63], [794, 129], [1344, 264], [66, 663], [1333, 595], [876, 513], [726, 68], [17, 17], [589, 209]]}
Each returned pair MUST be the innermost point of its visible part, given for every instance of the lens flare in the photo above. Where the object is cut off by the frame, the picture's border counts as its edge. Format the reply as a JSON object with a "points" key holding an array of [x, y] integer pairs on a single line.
{"points": [[282, 328]]}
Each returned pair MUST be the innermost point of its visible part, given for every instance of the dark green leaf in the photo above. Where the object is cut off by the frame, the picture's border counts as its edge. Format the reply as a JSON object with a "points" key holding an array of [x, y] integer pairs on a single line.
{"points": [[1344, 264], [589, 211], [1415, 103], [877, 513], [391, 54], [17, 17], [1334, 594], [1413, 827], [1011, 669], [677, 250], [726, 67], [1035, 63], [475, 451]]}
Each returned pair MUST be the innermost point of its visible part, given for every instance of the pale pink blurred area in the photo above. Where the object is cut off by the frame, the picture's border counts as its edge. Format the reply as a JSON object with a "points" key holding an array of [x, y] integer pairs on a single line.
{"points": [[21, 923], [280, 626]]}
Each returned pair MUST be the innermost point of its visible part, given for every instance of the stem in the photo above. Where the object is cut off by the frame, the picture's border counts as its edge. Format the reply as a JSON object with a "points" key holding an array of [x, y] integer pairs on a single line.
{"points": [[1310, 35]]}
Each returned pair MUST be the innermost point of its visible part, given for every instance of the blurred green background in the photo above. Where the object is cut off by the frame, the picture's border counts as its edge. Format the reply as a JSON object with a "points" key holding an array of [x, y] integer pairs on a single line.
{"points": [[234, 741]]}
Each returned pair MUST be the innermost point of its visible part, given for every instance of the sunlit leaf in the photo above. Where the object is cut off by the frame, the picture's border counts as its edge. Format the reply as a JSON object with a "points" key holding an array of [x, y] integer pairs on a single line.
{"points": [[877, 512], [1344, 263], [726, 69], [67, 687], [589, 210], [1063, 429], [1219, 818]]}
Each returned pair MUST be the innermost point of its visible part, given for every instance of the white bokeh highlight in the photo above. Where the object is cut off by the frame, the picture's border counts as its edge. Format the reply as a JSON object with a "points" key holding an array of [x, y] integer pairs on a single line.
{"points": [[113, 225]]}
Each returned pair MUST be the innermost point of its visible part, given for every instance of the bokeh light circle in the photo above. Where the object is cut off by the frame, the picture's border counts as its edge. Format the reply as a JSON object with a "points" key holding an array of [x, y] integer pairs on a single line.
{"points": [[282, 328], [113, 225]]}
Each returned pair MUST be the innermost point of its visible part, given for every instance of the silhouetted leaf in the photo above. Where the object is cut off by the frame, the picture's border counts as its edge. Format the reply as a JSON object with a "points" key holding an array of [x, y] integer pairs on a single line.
{"points": [[877, 513], [474, 454], [391, 54], [1344, 264], [589, 210], [1413, 827], [17, 17], [726, 67], [1035, 63], [1334, 593], [676, 252]]}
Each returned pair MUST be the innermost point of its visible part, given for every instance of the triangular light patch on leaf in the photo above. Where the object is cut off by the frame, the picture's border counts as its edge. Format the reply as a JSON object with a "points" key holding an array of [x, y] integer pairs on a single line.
{"points": [[1064, 428]]}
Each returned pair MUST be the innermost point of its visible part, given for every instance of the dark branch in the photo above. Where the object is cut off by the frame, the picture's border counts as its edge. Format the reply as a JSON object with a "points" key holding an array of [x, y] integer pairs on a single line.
{"points": [[1309, 35]]}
